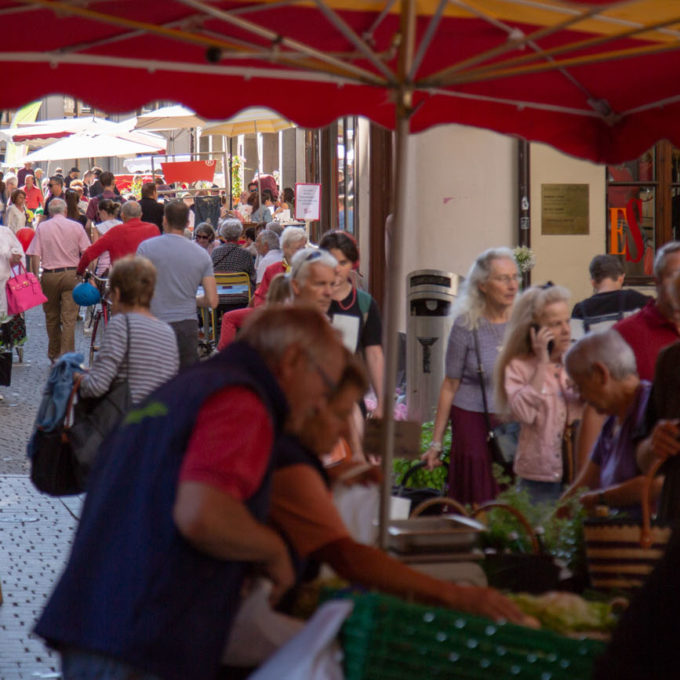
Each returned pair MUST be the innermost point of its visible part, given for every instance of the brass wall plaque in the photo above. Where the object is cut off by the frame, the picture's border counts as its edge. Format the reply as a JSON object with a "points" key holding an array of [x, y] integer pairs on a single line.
{"points": [[565, 209]]}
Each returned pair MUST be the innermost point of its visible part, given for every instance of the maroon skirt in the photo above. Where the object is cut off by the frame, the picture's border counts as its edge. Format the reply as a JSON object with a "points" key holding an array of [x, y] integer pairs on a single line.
{"points": [[470, 478]]}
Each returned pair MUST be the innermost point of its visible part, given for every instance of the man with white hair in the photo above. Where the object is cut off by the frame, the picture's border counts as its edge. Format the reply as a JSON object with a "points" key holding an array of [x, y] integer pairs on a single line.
{"points": [[269, 251], [292, 240], [57, 245], [312, 277], [604, 369], [123, 239]]}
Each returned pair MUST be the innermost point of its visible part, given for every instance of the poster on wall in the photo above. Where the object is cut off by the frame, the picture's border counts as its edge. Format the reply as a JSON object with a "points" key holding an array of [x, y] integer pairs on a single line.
{"points": [[565, 209], [307, 201]]}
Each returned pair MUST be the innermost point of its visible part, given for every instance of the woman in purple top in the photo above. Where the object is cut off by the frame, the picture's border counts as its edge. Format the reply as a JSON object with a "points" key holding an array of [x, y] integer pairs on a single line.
{"points": [[603, 367], [483, 307]]}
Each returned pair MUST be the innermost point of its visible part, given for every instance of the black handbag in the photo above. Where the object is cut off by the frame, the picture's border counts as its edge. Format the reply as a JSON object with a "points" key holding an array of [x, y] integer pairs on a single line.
{"points": [[6, 368], [62, 459], [502, 439], [418, 495]]}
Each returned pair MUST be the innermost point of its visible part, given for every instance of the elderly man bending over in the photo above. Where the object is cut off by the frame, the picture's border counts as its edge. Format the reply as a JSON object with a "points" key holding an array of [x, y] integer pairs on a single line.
{"points": [[603, 367], [175, 509]]}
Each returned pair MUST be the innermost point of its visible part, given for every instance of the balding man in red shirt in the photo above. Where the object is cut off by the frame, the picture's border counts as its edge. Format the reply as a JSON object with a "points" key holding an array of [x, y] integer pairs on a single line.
{"points": [[123, 239]]}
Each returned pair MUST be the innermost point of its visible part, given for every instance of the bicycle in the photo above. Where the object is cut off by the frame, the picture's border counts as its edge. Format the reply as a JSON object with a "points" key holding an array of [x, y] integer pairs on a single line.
{"points": [[102, 313]]}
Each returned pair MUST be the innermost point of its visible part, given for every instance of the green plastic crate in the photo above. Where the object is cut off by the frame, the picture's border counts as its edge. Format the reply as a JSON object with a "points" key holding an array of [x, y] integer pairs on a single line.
{"points": [[386, 638]]}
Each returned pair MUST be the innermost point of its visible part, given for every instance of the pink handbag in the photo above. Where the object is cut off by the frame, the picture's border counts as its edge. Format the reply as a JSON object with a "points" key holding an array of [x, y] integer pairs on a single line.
{"points": [[23, 292]]}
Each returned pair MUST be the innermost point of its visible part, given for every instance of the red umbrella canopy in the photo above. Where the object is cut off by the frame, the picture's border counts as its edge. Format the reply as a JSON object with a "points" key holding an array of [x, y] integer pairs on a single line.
{"points": [[595, 79]]}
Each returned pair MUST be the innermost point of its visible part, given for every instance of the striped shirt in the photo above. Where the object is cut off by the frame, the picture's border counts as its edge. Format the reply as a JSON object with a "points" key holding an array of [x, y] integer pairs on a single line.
{"points": [[153, 357]]}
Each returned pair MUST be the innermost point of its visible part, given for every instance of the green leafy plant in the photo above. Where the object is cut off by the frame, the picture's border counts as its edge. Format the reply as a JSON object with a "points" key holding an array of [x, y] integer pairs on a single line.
{"points": [[435, 479]]}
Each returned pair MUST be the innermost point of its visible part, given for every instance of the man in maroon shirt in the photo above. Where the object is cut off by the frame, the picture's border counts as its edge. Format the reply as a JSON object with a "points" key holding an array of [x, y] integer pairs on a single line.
{"points": [[122, 239]]}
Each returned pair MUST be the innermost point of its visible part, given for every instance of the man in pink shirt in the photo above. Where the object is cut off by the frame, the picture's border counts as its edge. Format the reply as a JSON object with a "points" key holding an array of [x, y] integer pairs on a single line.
{"points": [[123, 239], [57, 245], [34, 197]]}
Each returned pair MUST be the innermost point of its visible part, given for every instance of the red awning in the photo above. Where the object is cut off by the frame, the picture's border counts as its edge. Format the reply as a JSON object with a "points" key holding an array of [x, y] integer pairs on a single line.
{"points": [[595, 79]]}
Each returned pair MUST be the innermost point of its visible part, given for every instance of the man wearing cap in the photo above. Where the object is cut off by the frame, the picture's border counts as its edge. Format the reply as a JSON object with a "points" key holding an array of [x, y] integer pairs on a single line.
{"points": [[57, 245]]}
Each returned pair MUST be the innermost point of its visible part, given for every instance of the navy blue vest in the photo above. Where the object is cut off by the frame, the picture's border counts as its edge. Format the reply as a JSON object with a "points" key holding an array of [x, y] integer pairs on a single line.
{"points": [[133, 588]]}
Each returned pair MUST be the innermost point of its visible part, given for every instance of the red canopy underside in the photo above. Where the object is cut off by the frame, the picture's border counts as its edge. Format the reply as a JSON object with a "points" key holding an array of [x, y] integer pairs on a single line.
{"points": [[121, 68]]}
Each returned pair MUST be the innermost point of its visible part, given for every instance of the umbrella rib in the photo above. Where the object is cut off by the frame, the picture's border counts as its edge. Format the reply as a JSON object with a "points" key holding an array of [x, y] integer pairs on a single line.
{"points": [[515, 43], [362, 74], [183, 36], [427, 39], [587, 113], [347, 31], [565, 63], [152, 65], [368, 35], [570, 47]]}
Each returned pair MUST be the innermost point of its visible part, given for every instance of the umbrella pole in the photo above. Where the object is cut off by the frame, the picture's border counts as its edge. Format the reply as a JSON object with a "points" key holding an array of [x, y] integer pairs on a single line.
{"points": [[393, 287], [231, 178]]}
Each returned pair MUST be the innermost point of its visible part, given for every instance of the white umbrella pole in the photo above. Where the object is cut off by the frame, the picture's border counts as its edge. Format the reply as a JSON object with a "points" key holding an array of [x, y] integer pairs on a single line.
{"points": [[393, 288]]}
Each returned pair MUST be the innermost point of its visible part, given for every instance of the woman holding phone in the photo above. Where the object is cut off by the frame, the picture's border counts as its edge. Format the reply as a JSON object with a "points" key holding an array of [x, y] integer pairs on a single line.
{"points": [[532, 387]]}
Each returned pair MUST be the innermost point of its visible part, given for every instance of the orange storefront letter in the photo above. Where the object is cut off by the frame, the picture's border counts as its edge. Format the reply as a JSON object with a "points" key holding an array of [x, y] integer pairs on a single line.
{"points": [[617, 238]]}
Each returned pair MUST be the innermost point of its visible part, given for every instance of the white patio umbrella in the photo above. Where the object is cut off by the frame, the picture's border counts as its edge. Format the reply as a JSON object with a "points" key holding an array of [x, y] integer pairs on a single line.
{"points": [[169, 118], [42, 133], [249, 121], [84, 145]]}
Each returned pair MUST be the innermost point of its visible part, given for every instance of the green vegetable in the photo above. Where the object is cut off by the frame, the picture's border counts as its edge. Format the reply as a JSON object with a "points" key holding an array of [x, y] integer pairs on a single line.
{"points": [[566, 612]]}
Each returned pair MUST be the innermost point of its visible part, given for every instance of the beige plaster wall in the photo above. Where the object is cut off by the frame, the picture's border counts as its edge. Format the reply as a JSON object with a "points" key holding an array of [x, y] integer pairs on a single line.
{"points": [[461, 199], [565, 259]]}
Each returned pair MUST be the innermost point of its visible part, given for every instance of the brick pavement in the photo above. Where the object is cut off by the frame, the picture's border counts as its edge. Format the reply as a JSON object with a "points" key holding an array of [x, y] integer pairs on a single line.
{"points": [[35, 530]]}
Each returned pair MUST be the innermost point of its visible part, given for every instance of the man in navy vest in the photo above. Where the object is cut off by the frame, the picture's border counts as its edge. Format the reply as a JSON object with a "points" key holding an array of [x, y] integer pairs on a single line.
{"points": [[175, 511]]}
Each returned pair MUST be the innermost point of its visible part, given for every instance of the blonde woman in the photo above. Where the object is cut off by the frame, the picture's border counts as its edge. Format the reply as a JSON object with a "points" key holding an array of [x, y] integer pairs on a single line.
{"points": [[483, 309], [532, 387]]}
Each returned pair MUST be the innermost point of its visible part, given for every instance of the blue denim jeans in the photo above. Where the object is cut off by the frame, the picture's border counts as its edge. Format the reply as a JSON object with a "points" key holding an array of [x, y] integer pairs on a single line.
{"points": [[81, 665], [541, 492]]}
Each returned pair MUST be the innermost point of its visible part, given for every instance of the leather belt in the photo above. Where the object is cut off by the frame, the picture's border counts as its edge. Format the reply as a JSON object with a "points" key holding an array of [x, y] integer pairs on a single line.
{"points": [[59, 269]]}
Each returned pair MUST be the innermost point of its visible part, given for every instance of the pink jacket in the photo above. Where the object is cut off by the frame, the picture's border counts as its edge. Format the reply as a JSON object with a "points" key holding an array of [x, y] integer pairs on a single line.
{"points": [[542, 416]]}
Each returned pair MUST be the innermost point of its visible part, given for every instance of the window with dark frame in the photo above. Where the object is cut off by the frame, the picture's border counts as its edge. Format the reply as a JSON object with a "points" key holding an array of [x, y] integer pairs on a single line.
{"points": [[643, 209]]}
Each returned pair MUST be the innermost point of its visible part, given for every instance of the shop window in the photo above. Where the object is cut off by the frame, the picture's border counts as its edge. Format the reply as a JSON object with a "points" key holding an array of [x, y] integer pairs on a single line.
{"points": [[641, 195]]}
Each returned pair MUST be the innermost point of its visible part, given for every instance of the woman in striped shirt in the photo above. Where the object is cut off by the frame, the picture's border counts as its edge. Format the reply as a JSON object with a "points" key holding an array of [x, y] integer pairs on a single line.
{"points": [[136, 346]]}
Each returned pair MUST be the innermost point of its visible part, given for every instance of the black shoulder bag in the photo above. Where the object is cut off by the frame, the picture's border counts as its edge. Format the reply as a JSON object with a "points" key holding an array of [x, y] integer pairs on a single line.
{"points": [[502, 439], [62, 459]]}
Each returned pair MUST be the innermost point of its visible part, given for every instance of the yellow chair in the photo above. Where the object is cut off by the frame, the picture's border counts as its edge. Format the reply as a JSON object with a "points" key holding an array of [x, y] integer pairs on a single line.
{"points": [[231, 285]]}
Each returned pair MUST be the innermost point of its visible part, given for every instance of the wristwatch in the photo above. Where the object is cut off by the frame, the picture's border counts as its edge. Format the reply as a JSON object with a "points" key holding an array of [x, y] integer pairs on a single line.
{"points": [[437, 446]]}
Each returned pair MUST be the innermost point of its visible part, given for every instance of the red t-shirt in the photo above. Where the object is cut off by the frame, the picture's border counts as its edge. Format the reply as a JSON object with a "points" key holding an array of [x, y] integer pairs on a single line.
{"points": [[647, 332], [270, 272], [121, 240], [231, 324], [231, 443]]}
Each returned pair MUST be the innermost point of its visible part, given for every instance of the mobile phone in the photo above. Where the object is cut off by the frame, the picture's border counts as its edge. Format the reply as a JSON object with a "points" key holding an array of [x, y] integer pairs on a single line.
{"points": [[551, 343]]}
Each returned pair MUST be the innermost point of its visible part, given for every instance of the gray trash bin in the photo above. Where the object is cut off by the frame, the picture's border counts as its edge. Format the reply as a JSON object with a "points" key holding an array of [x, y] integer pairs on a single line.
{"points": [[430, 294]]}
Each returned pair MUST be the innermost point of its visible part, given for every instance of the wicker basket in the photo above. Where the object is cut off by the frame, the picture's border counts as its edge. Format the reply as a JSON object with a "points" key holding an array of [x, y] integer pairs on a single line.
{"points": [[388, 639], [621, 554]]}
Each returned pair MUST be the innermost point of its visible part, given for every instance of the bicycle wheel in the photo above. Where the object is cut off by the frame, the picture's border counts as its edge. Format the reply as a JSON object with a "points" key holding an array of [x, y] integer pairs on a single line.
{"points": [[97, 334]]}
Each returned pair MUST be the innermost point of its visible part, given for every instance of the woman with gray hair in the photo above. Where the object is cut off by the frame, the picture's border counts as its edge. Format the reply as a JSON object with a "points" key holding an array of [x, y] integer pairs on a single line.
{"points": [[532, 388], [204, 235], [230, 257], [481, 315]]}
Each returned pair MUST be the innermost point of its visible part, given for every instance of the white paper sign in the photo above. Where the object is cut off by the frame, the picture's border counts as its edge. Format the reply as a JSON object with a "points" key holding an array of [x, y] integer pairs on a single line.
{"points": [[307, 201]]}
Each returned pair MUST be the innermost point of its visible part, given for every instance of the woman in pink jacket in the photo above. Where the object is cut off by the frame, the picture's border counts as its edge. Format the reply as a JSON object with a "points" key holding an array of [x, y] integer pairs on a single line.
{"points": [[532, 387]]}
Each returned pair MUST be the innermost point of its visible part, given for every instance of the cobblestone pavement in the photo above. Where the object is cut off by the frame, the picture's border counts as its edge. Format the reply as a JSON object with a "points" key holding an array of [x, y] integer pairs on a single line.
{"points": [[35, 530]]}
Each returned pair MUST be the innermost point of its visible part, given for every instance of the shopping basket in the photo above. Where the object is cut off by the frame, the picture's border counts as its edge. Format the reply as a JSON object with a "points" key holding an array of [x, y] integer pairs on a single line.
{"points": [[621, 553], [386, 638]]}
